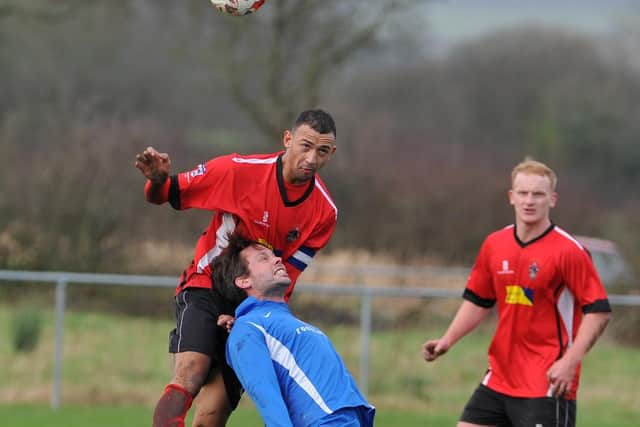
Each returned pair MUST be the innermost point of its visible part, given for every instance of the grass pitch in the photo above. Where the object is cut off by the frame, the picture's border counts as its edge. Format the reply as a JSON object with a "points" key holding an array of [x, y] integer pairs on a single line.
{"points": [[115, 367]]}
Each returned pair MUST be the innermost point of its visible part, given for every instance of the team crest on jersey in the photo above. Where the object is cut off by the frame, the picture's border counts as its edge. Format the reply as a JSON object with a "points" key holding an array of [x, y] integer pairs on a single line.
{"points": [[293, 235], [533, 270], [200, 170]]}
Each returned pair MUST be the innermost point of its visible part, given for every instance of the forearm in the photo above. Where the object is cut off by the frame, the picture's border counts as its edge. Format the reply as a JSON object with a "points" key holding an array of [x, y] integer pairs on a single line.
{"points": [[467, 319], [591, 328], [157, 191]]}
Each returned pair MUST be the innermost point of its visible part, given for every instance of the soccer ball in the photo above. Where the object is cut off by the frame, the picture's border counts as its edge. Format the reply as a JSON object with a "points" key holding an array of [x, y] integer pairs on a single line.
{"points": [[237, 7]]}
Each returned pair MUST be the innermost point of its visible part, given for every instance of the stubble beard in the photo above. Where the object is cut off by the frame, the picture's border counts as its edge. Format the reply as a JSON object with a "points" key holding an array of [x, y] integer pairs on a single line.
{"points": [[278, 289]]}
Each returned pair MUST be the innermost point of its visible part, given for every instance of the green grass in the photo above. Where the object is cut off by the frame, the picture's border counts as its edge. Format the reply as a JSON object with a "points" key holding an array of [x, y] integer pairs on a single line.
{"points": [[128, 416], [36, 416], [98, 416], [115, 368]]}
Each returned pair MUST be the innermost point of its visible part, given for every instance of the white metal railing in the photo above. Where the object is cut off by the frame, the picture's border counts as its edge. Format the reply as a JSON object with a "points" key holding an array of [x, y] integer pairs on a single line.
{"points": [[365, 292]]}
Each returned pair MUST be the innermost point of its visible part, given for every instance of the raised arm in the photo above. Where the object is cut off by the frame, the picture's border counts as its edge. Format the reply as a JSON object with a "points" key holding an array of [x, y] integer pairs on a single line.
{"points": [[467, 318], [248, 355], [155, 166]]}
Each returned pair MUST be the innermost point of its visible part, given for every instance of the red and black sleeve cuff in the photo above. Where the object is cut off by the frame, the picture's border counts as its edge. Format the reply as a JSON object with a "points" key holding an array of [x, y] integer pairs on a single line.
{"points": [[598, 306], [470, 296]]}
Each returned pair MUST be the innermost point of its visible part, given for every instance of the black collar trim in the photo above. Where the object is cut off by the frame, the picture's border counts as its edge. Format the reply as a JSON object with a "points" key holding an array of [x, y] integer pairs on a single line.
{"points": [[283, 189], [524, 244]]}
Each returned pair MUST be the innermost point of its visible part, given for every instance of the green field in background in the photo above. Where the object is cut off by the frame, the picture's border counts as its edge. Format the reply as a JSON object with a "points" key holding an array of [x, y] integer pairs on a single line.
{"points": [[100, 416], [115, 367], [36, 416]]}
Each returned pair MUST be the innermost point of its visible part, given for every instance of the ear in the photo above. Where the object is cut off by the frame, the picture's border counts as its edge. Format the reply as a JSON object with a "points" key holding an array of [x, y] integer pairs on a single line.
{"points": [[243, 282], [287, 138], [554, 199], [511, 201]]}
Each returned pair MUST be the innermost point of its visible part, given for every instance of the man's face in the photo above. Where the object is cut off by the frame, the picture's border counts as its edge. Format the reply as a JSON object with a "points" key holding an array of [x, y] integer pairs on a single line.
{"points": [[267, 274], [307, 151], [532, 198]]}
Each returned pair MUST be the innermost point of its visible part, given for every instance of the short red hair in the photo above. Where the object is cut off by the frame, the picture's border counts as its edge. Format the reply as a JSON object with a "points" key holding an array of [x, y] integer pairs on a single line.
{"points": [[533, 167]]}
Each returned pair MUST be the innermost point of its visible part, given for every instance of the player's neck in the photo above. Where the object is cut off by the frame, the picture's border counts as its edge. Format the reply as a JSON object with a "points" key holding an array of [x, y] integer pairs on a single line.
{"points": [[275, 294], [272, 298], [529, 231]]}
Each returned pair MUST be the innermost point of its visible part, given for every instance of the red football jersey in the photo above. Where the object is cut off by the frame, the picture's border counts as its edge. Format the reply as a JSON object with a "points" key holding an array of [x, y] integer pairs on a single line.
{"points": [[249, 194], [542, 288]]}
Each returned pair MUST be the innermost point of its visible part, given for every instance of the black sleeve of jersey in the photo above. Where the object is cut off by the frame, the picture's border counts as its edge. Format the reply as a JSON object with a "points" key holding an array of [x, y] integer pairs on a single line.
{"points": [[482, 302], [174, 192], [599, 306]]}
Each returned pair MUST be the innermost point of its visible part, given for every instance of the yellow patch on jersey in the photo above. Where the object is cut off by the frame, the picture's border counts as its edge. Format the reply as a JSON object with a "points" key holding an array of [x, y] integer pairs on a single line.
{"points": [[265, 243], [517, 295]]}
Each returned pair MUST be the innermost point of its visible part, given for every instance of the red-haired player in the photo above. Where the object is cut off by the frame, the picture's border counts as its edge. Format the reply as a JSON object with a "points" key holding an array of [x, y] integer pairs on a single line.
{"points": [[551, 307]]}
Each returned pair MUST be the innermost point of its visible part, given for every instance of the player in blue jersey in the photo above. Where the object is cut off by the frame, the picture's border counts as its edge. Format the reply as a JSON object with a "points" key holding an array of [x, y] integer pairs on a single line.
{"points": [[288, 367]]}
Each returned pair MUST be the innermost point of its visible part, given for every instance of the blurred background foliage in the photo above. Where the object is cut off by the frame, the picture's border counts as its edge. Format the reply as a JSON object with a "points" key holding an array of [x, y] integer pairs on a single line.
{"points": [[426, 138]]}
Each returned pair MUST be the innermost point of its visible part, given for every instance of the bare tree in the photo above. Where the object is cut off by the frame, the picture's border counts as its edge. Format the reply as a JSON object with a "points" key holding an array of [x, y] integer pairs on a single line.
{"points": [[301, 46]]}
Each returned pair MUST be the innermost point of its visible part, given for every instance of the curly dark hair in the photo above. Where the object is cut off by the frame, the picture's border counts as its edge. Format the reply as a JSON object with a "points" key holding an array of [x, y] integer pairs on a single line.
{"points": [[228, 266]]}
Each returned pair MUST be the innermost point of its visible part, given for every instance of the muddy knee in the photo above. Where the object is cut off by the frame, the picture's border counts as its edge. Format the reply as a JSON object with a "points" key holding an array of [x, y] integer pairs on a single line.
{"points": [[191, 370]]}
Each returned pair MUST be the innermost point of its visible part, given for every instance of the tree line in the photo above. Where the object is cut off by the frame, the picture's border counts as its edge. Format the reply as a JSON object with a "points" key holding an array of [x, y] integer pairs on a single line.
{"points": [[425, 141]]}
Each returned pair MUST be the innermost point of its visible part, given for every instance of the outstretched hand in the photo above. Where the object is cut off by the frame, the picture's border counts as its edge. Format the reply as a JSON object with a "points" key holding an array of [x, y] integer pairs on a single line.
{"points": [[153, 165], [226, 321], [433, 349]]}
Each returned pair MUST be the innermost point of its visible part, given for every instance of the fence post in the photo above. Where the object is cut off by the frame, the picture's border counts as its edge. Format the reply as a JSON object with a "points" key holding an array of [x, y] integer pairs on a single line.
{"points": [[61, 291], [365, 335]]}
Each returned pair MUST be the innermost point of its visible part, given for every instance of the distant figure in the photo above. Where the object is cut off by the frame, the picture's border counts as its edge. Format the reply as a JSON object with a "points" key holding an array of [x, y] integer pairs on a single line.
{"points": [[289, 368], [551, 308], [276, 199]]}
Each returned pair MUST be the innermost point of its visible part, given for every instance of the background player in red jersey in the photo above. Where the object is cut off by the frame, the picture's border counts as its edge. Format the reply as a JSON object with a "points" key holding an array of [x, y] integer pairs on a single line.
{"points": [[552, 308], [275, 199]]}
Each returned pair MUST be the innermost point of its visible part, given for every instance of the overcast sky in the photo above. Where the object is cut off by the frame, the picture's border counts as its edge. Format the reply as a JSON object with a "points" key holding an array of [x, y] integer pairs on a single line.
{"points": [[455, 20]]}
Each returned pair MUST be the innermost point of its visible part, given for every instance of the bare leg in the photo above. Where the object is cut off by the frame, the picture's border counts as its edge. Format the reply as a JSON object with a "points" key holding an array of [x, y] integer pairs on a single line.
{"points": [[212, 405], [190, 372]]}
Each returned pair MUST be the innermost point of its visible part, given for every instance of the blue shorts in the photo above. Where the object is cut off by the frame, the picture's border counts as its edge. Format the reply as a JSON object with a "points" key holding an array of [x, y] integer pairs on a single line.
{"points": [[359, 416]]}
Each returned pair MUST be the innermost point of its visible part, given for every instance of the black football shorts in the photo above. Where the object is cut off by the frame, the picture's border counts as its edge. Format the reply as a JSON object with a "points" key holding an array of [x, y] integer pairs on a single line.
{"points": [[197, 311], [487, 407]]}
